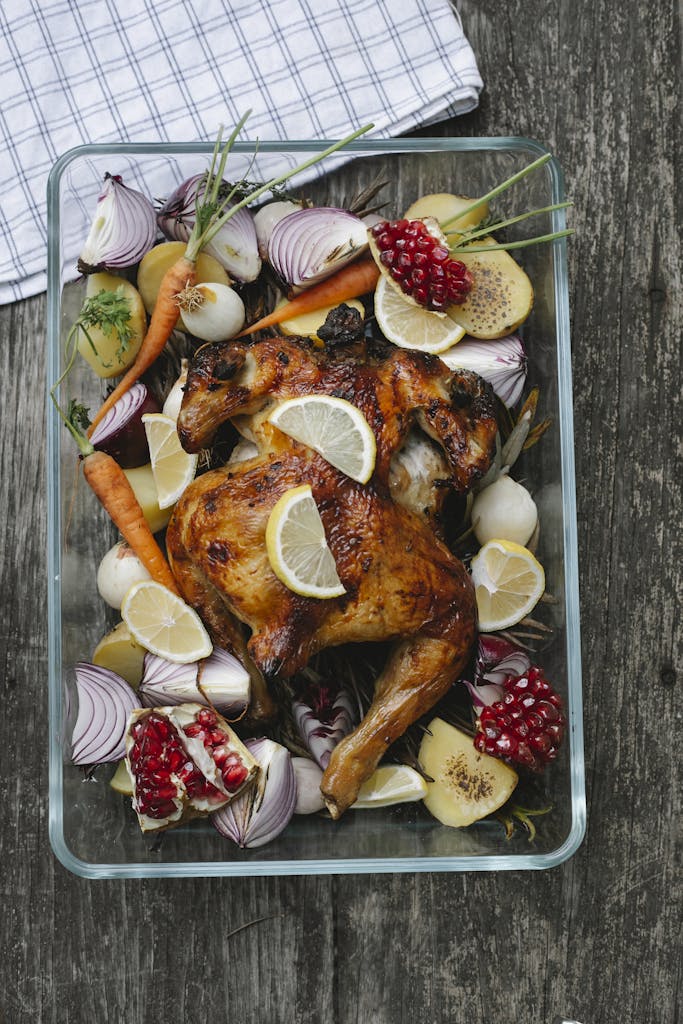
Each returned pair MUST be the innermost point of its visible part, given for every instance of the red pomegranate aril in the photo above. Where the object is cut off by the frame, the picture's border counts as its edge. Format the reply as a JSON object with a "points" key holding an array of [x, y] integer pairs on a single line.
{"points": [[207, 717], [220, 755], [234, 776], [195, 731], [216, 737]]}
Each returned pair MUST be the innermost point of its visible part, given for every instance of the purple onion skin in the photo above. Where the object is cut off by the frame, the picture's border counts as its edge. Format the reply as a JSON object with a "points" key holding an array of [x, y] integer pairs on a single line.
{"points": [[140, 223], [121, 433]]}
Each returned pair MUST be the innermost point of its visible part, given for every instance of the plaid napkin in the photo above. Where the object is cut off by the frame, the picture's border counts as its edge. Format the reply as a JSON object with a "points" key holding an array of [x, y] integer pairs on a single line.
{"points": [[174, 70]]}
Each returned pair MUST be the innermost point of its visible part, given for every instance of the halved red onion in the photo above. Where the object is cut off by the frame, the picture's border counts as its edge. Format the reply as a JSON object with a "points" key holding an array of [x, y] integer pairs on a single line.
{"points": [[121, 432], [309, 245], [105, 701], [122, 231], [263, 810], [502, 363], [323, 721], [267, 217], [497, 660], [219, 680], [235, 246], [308, 777]]}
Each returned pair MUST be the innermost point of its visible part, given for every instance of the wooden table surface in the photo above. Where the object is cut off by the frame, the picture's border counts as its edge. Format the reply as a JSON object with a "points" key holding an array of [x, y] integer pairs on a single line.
{"points": [[596, 939]]}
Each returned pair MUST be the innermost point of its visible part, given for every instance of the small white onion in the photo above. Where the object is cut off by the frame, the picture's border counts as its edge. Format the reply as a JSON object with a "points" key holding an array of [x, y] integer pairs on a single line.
{"points": [[219, 313], [267, 217], [117, 572], [174, 399], [504, 511], [308, 777]]}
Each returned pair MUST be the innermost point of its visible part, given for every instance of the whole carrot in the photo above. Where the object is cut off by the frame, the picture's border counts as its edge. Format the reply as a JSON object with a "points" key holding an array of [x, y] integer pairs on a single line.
{"points": [[348, 283], [212, 211]]}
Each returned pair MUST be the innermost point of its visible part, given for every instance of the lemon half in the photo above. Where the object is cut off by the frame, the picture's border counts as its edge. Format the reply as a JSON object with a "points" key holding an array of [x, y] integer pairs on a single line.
{"points": [[411, 326]]}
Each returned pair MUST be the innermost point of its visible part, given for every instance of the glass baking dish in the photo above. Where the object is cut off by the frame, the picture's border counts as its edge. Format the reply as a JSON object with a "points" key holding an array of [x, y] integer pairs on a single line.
{"points": [[92, 831]]}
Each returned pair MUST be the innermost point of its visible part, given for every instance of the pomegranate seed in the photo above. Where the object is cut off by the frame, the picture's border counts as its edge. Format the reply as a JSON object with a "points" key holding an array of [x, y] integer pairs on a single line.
{"points": [[234, 776], [195, 731], [207, 717]]}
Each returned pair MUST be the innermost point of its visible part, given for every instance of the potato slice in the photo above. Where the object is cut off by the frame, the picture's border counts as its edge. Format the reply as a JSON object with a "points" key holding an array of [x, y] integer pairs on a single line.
{"points": [[467, 785], [156, 262], [307, 325], [443, 206], [141, 479], [105, 359], [501, 297]]}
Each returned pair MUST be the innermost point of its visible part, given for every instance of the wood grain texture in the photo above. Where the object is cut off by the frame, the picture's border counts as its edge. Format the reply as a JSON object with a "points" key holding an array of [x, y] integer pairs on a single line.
{"points": [[597, 939]]}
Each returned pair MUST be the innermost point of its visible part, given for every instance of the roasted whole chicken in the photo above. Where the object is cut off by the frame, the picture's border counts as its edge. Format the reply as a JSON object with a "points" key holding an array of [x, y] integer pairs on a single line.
{"points": [[435, 431]]}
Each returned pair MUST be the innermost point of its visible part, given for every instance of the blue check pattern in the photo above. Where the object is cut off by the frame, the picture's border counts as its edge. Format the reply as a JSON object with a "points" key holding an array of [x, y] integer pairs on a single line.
{"points": [[174, 70]]}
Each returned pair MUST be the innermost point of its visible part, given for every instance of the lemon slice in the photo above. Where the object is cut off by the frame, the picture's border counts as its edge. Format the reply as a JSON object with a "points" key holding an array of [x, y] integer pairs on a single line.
{"points": [[297, 548], [162, 622], [334, 428], [172, 466], [508, 582], [410, 326], [391, 784]]}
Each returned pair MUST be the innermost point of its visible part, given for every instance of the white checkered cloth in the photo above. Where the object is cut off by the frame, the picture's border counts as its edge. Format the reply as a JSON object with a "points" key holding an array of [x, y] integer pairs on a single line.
{"points": [[78, 71]]}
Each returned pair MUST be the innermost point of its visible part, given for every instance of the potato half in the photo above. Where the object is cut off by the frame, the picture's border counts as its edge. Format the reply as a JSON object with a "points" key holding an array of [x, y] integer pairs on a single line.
{"points": [[106, 355], [467, 785]]}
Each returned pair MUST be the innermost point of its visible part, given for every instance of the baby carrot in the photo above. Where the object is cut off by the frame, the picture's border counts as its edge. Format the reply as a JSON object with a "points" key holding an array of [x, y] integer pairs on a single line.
{"points": [[110, 484], [164, 319], [114, 492], [348, 283]]}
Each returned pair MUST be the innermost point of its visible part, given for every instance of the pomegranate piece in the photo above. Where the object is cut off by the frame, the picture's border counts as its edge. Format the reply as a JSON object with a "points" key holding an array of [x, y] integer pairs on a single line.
{"points": [[527, 726], [185, 762], [415, 255]]}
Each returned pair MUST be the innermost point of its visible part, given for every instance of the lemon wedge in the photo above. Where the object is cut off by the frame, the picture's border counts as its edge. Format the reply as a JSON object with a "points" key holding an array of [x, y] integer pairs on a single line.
{"points": [[508, 582], [121, 653], [162, 623], [173, 468], [334, 428], [411, 326], [297, 547], [391, 784]]}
